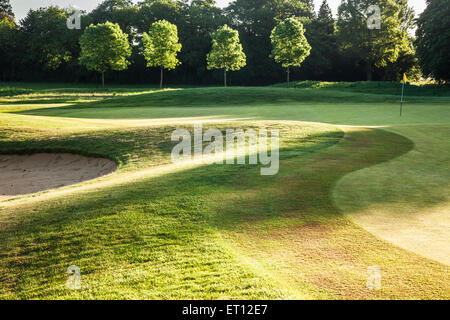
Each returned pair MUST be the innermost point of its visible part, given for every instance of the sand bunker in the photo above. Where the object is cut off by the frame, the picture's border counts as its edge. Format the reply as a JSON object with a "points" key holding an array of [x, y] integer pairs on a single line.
{"points": [[25, 174]]}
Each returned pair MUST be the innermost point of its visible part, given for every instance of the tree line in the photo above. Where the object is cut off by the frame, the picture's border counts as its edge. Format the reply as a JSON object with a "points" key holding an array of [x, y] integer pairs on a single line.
{"points": [[41, 47]]}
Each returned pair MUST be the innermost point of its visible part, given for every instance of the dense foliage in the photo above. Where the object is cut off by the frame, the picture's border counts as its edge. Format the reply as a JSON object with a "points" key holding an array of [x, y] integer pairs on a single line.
{"points": [[226, 52], [8, 33], [161, 46], [290, 46], [378, 46], [5, 10], [433, 39], [104, 47], [42, 47]]}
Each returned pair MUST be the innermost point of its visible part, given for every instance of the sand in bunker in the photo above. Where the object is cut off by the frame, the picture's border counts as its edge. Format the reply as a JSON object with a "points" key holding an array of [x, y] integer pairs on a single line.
{"points": [[25, 174]]}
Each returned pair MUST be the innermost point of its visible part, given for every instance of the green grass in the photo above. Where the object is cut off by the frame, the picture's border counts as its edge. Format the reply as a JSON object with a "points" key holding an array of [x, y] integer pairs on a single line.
{"points": [[331, 106], [152, 231], [377, 87], [146, 227]]}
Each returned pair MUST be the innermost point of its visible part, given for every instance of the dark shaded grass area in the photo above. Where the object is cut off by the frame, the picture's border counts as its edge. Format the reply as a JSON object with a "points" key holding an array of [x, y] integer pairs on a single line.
{"points": [[220, 97], [376, 87], [133, 146]]}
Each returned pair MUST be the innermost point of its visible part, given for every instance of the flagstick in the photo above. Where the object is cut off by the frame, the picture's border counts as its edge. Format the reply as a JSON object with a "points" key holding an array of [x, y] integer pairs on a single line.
{"points": [[401, 102]]}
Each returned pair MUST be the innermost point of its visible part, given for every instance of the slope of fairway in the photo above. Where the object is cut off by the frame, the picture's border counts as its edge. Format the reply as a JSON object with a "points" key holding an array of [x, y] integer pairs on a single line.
{"points": [[152, 230]]}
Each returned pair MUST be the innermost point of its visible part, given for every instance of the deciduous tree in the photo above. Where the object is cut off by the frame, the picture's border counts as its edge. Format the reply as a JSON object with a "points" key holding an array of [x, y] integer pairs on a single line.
{"points": [[104, 46], [161, 46], [321, 35], [8, 36], [227, 52], [203, 18], [433, 39], [6, 10], [290, 46], [46, 41], [255, 20], [376, 47], [122, 12]]}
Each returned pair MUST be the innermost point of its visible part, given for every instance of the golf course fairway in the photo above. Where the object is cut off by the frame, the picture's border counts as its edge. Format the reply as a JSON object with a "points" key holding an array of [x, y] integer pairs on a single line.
{"points": [[358, 186]]}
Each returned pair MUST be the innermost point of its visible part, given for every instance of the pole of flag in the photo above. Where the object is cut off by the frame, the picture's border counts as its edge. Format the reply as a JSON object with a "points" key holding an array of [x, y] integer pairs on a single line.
{"points": [[405, 79]]}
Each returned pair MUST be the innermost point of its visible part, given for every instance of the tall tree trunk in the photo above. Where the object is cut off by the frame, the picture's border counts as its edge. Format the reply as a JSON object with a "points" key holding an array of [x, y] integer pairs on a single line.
{"points": [[225, 77], [103, 80], [162, 79], [288, 76]]}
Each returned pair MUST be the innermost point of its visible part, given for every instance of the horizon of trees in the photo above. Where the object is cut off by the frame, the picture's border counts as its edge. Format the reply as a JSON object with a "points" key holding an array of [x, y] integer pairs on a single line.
{"points": [[40, 46]]}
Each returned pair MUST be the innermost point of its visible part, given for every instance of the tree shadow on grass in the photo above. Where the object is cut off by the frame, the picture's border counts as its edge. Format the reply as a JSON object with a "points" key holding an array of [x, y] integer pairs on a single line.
{"points": [[176, 213]]}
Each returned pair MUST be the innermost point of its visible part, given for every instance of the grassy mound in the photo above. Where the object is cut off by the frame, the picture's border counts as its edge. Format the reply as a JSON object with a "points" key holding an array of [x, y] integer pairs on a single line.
{"points": [[376, 87]]}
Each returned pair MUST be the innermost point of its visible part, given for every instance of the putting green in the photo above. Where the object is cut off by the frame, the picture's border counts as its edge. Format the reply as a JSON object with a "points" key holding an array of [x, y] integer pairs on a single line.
{"points": [[406, 200]]}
